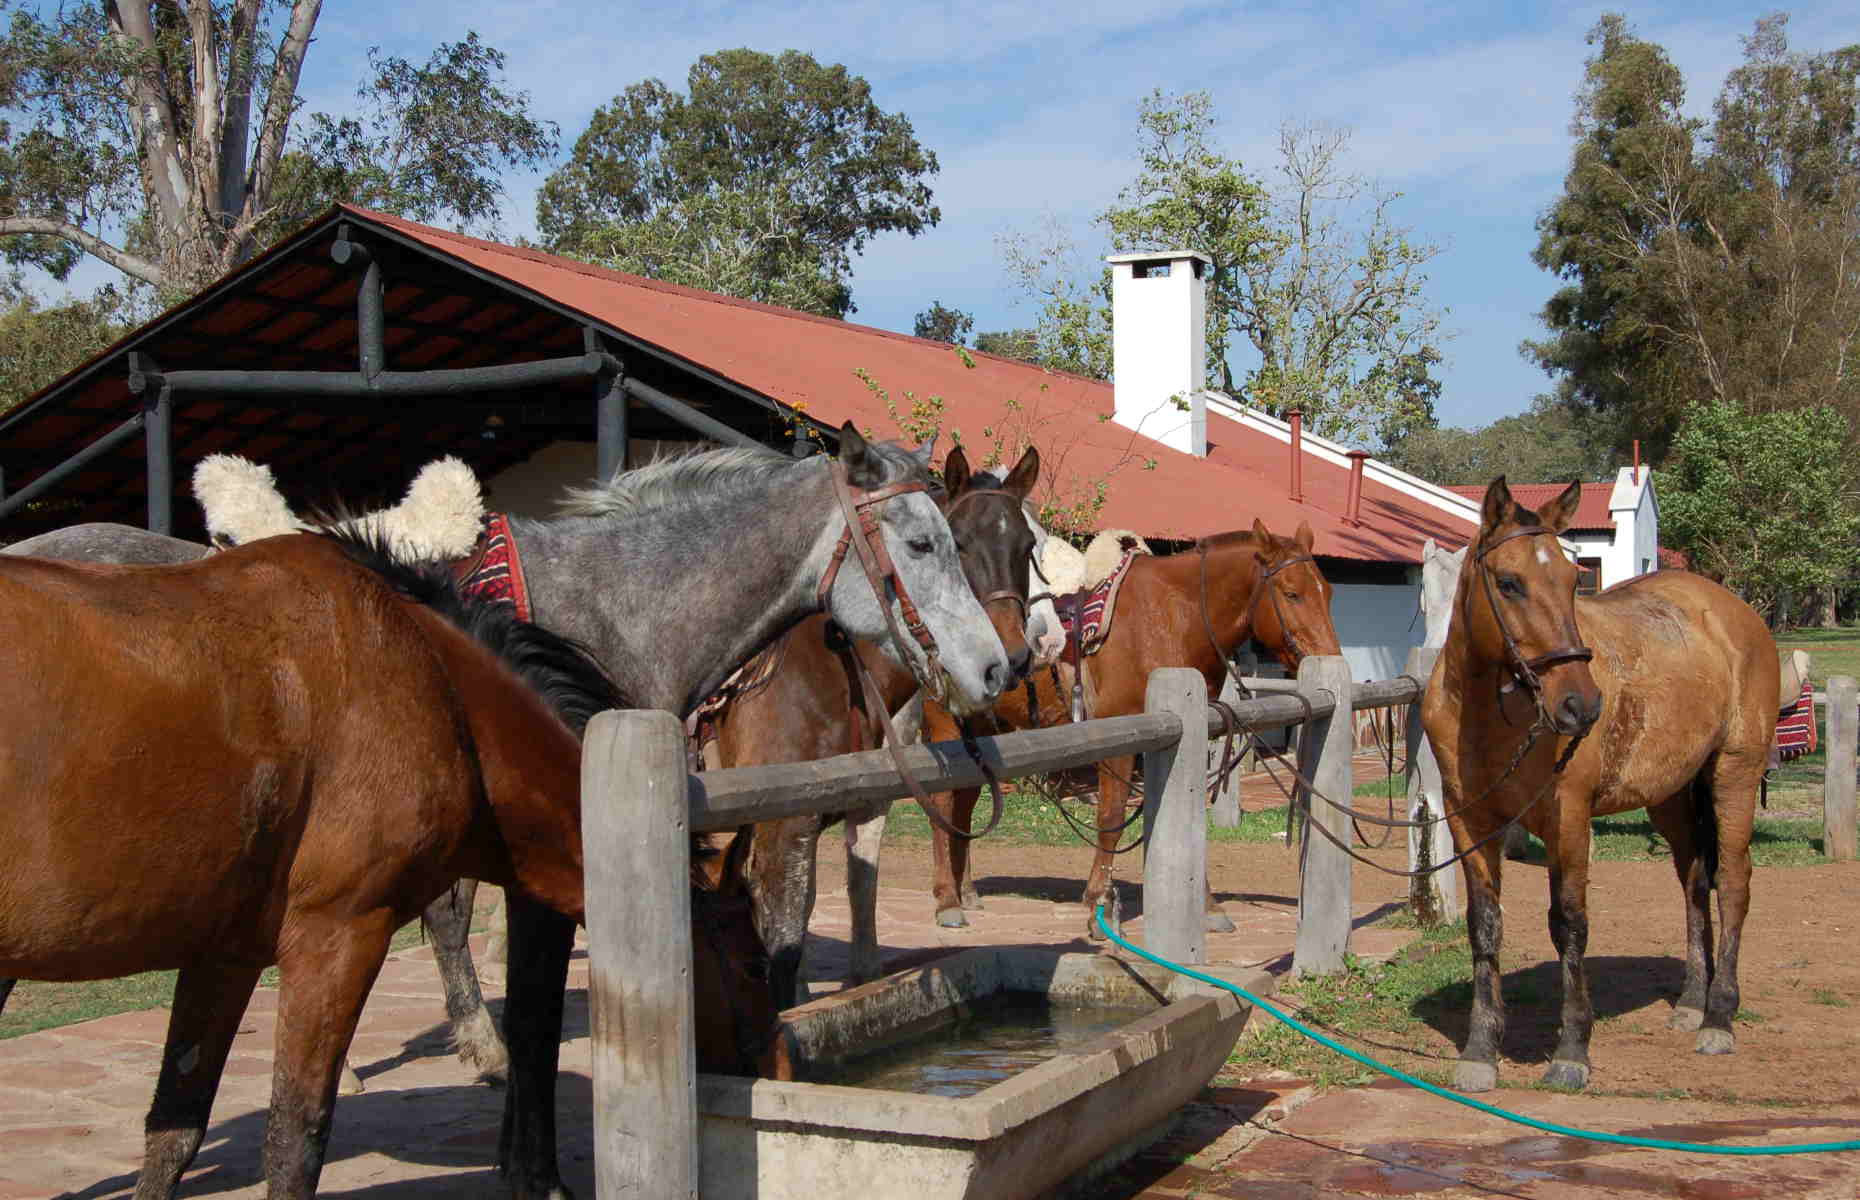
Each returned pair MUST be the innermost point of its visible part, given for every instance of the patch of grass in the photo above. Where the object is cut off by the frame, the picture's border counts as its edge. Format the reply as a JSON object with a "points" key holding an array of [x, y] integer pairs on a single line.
{"points": [[1834, 651], [1774, 841], [35, 1005], [1381, 1009], [1031, 819], [1830, 997]]}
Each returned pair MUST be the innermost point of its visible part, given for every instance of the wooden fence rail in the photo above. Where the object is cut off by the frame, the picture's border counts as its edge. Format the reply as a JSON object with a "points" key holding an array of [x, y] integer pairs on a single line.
{"points": [[639, 806]]}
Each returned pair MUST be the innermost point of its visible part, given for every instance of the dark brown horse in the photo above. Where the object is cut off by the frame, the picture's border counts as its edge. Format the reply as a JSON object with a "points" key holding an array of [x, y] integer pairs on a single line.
{"points": [[325, 749], [1674, 712], [1192, 609], [806, 711]]}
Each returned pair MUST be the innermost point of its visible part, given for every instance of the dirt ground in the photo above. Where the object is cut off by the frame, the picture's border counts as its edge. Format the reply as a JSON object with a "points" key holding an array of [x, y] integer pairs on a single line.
{"points": [[1798, 1039]]}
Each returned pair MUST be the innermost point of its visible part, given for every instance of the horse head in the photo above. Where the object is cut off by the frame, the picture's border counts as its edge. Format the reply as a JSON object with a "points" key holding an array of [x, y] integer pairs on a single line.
{"points": [[1440, 581], [738, 1019], [1291, 598], [995, 543], [1517, 609], [928, 619]]}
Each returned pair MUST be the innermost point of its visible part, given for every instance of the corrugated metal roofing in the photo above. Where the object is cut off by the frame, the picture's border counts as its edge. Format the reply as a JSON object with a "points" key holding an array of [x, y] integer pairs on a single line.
{"points": [[813, 364], [1591, 510]]}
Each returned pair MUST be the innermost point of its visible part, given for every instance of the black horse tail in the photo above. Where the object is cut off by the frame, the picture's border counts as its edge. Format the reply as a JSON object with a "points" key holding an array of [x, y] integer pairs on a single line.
{"points": [[1705, 825]]}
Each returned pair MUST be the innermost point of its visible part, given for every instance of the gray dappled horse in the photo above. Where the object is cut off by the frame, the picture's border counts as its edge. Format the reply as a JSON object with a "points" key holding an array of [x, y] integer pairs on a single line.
{"points": [[674, 574]]}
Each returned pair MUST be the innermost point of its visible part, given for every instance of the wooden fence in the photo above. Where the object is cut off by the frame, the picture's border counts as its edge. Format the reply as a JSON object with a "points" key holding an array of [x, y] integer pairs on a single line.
{"points": [[640, 806]]}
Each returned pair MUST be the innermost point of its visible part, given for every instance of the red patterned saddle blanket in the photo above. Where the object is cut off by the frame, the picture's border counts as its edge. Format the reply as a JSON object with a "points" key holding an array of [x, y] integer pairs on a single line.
{"points": [[1087, 614], [494, 569], [1795, 729]]}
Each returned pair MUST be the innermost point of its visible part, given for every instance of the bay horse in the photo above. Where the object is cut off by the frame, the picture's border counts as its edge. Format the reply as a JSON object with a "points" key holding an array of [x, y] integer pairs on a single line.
{"points": [[1192, 609], [1658, 693], [811, 709], [325, 741]]}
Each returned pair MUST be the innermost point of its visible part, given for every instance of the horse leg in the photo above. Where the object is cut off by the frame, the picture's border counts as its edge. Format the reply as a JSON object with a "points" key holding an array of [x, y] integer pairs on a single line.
{"points": [[324, 978], [1733, 795], [6, 989], [208, 1004], [1485, 930], [497, 938], [1113, 799], [865, 832], [474, 1033], [541, 941], [1675, 820], [1569, 932], [1217, 920], [964, 806], [943, 888], [780, 875]]}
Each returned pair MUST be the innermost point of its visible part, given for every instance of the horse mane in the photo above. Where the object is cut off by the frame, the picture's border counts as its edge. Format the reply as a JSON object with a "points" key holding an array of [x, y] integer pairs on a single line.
{"points": [[698, 479], [675, 479], [560, 670]]}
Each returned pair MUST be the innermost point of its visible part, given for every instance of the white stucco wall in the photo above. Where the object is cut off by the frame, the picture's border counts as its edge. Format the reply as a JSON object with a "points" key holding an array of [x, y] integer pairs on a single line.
{"points": [[1377, 624], [1158, 343]]}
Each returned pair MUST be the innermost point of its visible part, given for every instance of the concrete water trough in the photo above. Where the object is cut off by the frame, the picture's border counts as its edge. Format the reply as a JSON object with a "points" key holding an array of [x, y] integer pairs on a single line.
{"points": [[1071, 1116]]}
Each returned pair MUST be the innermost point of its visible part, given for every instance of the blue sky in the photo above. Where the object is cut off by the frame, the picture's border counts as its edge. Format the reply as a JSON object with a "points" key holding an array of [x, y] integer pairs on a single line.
{"points": [[1031, 110]]}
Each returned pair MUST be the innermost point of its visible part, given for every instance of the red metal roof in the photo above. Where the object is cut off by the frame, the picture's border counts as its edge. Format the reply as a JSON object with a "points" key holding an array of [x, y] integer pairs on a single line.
{"points": [[810, 363], [1591, 510]]}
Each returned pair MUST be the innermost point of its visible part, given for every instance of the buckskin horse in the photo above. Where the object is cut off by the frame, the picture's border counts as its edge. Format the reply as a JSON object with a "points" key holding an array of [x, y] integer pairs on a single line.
{"points": [[1192, 609], [325, 741], [811, 707], [1552, 709]]}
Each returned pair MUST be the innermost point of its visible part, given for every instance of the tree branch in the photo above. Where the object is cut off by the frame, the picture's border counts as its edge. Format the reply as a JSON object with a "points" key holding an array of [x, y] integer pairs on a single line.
{"points": [[279, 103], [235, 134], [164, 176], [90, 243]]}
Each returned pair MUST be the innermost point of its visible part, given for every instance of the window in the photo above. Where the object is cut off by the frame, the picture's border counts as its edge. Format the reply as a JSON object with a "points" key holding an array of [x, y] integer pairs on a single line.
{"points": [[1154, 269], [1588, 576]]}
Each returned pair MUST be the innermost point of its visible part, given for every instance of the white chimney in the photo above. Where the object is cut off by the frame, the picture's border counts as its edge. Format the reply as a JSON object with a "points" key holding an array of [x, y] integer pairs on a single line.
{"points": [[1159, 309]]}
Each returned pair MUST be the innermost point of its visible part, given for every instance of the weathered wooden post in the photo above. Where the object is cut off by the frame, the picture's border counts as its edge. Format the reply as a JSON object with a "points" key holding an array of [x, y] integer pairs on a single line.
{"points": [[1227, 800], [1434, 898], [636, 850], [1325, 747], [1837, 811], [1175, 789]]}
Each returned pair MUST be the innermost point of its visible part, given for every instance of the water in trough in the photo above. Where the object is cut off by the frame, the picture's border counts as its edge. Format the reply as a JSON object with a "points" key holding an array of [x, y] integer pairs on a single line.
{"points": [[990, 1040]]}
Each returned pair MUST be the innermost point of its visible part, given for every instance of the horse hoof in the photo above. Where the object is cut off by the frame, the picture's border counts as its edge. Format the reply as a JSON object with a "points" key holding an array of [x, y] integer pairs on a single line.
{"points": [[1716, 1041], [1685, 1019], [972, 901], [1566, 1074], [351, 1083], [951, 918], [1472, 1076], [1219, 922]]}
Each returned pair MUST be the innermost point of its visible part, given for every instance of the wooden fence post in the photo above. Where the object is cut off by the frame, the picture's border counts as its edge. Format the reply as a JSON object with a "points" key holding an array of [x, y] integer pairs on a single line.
{"points": [[1433, 899], [1837, 812], [1325, 747], [1227, 800], [636, 850], [1175, 789]]}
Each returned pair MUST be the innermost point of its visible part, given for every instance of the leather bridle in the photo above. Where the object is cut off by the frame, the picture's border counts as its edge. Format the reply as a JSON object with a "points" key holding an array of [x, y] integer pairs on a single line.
{"points": [[1013, 597], [859, 505], [1523, 670], [1261, 587]]}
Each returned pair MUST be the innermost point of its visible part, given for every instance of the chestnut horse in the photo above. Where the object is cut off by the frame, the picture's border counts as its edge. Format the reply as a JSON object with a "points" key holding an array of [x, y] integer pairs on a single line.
{"points": [[325, 742], [1658, 693], [1192, 609], [806, 711]]}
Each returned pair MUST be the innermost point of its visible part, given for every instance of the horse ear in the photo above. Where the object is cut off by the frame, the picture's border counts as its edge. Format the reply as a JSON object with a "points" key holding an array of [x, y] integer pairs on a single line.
{"points": [[1428, 550], [1303, 536], [1498, 505], [1261, 535], [956, 473], [923, 453], [1557, 514], [856, 457], [1025, 474], [733, 879]]}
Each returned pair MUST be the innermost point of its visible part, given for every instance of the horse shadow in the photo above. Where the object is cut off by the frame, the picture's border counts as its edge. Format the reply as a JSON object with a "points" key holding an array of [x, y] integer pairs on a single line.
{"points": [[432, 1125], [1618, 985]]}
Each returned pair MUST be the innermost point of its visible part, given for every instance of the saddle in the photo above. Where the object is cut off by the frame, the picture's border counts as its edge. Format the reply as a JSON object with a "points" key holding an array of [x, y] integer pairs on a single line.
{"points": [[494, 570], [1087, 614]]}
